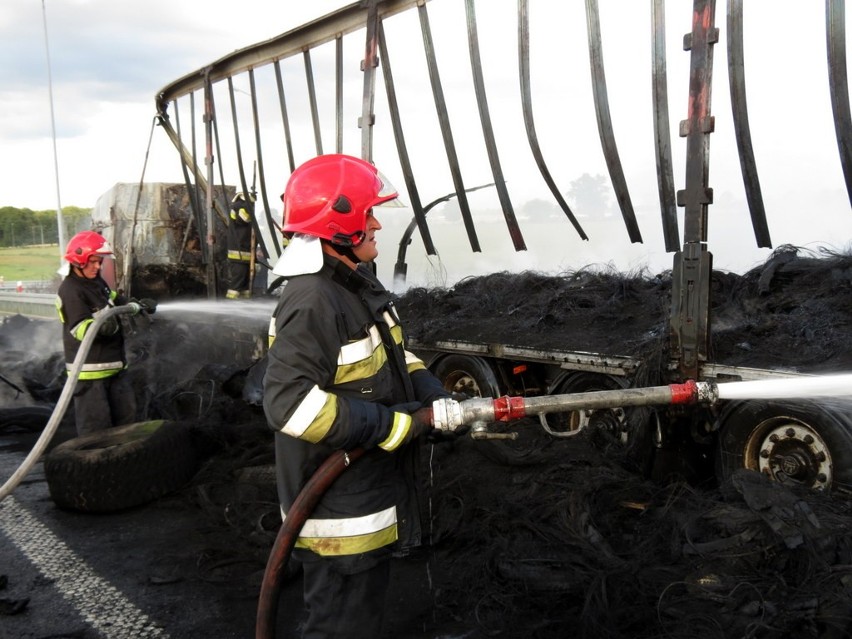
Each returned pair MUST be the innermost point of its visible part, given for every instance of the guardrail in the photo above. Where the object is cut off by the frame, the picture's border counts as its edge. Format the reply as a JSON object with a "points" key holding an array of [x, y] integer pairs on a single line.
{"points": [[42, 305]]}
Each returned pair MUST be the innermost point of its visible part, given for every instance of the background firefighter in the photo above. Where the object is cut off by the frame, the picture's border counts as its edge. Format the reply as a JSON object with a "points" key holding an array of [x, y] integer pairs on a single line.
{"points": [[240, 246], [103, 396], [339, 377]]}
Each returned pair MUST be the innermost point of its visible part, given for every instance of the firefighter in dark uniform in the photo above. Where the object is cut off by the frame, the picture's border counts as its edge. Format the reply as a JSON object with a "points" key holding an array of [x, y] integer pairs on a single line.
{"points": [[339, 377], [103, 396], [240, 246]]}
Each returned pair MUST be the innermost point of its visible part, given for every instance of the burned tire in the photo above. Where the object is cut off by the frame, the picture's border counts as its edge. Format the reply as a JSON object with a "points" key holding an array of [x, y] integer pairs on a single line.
{"points": [[467, 374], [24, 418], [121, 467], [800, 443]]}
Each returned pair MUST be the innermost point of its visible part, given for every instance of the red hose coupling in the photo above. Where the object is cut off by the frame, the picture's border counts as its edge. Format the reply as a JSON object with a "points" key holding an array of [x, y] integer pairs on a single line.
{"points": [[686, 393], [508, 408]]}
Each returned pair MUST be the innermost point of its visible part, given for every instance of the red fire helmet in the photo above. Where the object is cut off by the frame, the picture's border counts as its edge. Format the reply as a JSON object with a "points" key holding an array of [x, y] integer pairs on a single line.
{"points": [[85, 244], [329, 197]]}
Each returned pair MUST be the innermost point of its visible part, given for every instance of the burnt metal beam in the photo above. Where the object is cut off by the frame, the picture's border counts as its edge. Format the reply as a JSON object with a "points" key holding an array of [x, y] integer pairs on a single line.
{"points": [[282, 102], [261, 174], [488, 129], [610, 149], [693, 266], [294, 42], [402, 148], [742, 130], [838, 83], [368, 67], [529, 119], [312, 99], [446, 130], [662, 133]]}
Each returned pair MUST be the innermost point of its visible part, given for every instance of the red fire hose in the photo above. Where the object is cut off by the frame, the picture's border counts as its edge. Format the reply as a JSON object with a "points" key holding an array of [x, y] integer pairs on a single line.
{"points": [[303, 506]]}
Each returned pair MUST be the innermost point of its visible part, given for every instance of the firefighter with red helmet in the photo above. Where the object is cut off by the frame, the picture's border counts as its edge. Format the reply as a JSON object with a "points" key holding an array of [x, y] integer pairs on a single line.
{"points": [[339, 377], [103, 396]]}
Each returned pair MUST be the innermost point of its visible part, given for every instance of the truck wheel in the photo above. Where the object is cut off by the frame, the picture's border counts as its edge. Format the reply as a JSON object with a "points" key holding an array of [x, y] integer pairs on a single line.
{"points": [[467, 374], [802, 443], [120, 467], [611, 420]]}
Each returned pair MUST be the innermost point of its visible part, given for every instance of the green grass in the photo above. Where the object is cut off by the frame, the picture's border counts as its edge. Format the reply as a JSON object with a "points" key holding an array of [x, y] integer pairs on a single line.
{"points": [[29, 262]]}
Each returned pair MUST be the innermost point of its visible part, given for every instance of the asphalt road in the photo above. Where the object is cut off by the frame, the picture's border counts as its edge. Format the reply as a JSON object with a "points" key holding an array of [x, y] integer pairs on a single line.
{"points": [[155, 571], [139, 573]]}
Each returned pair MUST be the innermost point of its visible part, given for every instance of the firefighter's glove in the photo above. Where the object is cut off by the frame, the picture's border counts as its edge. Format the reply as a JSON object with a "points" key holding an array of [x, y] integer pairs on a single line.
{"points": [[447, 414], [109, 326], [410, 422]]}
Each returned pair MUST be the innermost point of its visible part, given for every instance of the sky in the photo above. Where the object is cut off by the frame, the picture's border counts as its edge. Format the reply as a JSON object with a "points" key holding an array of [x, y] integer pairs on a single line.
{"points": [[109, 58]]}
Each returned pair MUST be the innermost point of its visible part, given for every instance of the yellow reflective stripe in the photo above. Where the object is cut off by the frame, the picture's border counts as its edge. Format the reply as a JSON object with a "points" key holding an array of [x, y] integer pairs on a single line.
{"points": [[396, 334], [58, 303], [329, 546], [244, 215], [348, 535], [272, 331], [360, 349], [413, 363], [239, 256], [97, 374], [361, 359], [79, 331], [314, 416], [399, 429]]}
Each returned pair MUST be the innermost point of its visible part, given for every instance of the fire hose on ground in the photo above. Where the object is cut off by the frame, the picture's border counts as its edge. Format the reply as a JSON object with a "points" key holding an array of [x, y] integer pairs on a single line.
{"points": [[450, 415], [64, 400]]}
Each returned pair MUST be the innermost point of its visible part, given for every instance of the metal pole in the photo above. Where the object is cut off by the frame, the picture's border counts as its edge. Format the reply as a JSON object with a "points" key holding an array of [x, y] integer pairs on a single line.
{"points": [[59, 222]]}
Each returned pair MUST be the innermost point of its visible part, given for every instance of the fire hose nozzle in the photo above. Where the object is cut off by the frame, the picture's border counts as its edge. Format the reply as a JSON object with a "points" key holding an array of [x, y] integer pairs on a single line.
{"points": [[449, 414], [692, 392]]}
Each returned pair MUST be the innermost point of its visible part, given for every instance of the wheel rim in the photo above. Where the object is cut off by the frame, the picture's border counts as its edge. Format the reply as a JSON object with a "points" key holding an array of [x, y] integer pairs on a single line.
{"points": [[789, 451], [462, 382]]}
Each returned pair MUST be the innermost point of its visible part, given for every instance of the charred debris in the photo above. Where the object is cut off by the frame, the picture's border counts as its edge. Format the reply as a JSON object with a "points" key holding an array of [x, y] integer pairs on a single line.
{"points": [[528, 538]]}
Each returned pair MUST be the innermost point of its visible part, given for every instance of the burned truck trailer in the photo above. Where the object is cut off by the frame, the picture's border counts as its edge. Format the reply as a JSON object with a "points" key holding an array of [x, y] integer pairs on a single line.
{"points": [[356, 81]]}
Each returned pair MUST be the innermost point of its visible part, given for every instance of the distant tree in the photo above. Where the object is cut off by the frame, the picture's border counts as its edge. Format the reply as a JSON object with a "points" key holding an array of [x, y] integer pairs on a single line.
{"points": [[23, 226], [590, 195]]}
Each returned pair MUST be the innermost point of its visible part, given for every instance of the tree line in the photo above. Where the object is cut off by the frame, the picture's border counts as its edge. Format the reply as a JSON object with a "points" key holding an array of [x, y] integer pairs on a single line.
{"points": [[25, 227]]}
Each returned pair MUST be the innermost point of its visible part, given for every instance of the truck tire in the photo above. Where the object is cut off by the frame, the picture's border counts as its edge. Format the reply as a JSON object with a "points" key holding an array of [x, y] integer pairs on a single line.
{"points": [[800, 443], [467, 374], [120, 467], [629, 431], [24, 418], [612, 419]]}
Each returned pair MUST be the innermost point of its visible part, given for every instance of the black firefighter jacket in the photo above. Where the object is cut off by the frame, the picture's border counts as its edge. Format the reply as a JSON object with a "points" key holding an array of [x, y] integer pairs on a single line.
{"points": [[78, 298], [337, 364]]}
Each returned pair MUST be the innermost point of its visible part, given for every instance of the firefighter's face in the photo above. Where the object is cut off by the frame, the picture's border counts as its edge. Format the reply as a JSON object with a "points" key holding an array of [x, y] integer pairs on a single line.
{"points": [[92, 267], [367, 250]]}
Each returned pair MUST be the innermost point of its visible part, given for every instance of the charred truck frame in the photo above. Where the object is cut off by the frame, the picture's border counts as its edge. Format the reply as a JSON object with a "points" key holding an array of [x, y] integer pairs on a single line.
{"points": [[803, 444]]}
